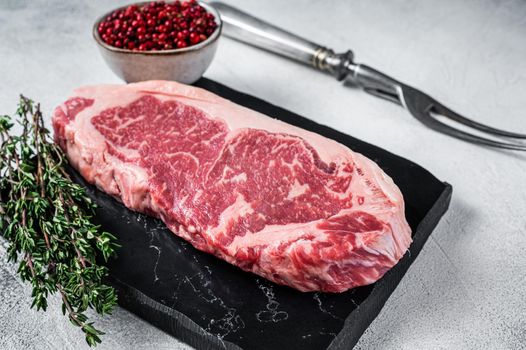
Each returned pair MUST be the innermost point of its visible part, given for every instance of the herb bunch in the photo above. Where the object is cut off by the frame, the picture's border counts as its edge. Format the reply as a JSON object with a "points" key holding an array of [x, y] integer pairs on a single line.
{"points": [[46, 218]]}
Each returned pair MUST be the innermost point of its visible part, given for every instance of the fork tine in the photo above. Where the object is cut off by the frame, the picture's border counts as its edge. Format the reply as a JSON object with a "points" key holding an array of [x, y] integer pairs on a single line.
{"points": [[446, 112], [437, 125], [421, 106]]}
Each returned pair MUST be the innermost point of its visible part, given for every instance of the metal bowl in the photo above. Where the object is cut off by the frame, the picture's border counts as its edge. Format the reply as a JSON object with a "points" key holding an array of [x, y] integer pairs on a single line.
{"points": [[185, 65]]}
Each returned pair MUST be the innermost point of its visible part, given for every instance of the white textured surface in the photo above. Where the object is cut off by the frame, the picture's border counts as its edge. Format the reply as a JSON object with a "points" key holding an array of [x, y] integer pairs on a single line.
{"points": [[467, 289]]}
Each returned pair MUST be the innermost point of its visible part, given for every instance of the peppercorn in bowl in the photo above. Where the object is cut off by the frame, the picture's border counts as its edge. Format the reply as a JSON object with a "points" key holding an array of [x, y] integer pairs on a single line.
{"points": [[172, 40]]}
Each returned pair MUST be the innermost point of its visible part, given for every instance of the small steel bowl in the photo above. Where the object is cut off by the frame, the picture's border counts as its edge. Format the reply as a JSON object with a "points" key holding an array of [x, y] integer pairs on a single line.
{"points": [[184, 65]]}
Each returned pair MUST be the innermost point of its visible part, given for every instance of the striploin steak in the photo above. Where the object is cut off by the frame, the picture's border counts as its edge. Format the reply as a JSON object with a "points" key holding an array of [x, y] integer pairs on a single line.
{"points": [[279, 201]]}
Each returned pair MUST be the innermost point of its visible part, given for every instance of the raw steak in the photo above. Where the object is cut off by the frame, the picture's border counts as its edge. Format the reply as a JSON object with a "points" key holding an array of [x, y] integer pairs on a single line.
{"points": [[287, 204]]}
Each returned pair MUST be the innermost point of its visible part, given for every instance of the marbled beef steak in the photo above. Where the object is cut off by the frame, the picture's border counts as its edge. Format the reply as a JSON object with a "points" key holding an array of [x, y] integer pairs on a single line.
{"points": [[285, 203]]}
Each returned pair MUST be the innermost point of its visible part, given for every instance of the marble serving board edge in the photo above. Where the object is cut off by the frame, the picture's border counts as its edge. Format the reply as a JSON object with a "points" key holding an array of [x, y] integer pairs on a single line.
{"points": [[370, 308], [167, 319]]}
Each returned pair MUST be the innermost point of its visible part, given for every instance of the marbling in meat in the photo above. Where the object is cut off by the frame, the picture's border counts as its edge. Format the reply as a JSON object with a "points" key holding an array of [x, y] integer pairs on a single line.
{"points": [[279, 201]]}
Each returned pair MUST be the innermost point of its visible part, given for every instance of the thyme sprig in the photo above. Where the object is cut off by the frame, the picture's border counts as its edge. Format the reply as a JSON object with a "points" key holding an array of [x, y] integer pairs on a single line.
{"points": [[46, 218]]}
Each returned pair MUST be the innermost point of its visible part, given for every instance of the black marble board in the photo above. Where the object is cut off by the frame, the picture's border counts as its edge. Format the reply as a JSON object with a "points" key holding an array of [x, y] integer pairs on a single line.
{"points": [[210, 304]]}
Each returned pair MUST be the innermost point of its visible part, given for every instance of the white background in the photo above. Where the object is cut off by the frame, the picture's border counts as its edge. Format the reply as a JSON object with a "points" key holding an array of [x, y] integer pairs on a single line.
{"points": [[467, 289]]}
